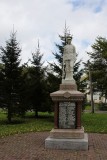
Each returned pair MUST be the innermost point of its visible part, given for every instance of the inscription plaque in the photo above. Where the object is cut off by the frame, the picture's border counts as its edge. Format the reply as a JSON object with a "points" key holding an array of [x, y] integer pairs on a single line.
{"points": [[67, 115]]}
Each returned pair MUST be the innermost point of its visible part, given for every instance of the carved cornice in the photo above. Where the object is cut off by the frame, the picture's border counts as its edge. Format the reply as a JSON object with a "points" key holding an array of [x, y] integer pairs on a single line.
{"points": [[67, 99], [67, 96]]}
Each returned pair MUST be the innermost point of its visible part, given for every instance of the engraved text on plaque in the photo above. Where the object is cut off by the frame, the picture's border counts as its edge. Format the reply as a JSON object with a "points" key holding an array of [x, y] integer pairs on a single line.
{"points": [[67, 115]]}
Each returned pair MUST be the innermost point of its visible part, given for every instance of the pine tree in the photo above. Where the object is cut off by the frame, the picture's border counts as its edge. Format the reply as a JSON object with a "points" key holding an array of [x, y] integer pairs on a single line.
{"points": [[98, 66], [57, 68], [2, 102], [10, 58], [36, 82]]}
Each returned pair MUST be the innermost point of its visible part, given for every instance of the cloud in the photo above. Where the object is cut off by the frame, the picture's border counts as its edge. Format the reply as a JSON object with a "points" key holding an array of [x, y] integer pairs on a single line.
{"points": [[44, 20]]}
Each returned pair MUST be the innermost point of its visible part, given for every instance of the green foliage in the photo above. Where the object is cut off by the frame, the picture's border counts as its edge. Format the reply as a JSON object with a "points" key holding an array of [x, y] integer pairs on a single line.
{"points": [[81, 85], [2, 101], [102, 106], [98, 65], [99, 49], [35, 85], [10, 58], [52, 82], [88, 108], [38, 83]]}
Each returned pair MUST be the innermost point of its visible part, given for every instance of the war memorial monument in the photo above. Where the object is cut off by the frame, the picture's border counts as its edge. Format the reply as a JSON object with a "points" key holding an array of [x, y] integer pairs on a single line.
{"points": [[68, 133]]}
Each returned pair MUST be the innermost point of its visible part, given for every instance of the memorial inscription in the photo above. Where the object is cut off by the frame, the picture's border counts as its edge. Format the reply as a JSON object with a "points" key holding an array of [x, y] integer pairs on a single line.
{"points": [[67, 115]]}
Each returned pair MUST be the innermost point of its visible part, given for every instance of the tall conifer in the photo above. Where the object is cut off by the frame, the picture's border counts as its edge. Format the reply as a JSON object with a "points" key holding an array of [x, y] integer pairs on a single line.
{"points": [[10, 57]]}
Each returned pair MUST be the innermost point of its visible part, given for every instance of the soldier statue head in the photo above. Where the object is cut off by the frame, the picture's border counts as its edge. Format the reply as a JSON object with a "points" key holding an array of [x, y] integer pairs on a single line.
{"points": [[69, 39]]}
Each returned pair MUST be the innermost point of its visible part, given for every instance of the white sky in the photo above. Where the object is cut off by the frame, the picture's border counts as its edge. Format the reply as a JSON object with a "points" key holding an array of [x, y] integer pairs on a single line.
{"points": [[45, 19]]}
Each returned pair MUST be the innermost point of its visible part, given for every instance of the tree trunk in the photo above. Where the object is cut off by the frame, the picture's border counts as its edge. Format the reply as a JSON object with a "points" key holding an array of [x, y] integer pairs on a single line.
{"points": [[9, 115], [105, 98], [91, 89], [36, 113]]}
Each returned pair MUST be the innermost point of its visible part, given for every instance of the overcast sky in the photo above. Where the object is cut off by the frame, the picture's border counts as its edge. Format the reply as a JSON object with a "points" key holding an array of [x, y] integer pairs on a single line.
{"points": [[45, 19]]}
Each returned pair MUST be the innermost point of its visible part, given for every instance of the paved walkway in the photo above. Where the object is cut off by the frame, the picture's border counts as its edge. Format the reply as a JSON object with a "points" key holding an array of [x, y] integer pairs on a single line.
{"points": [[30, 146]]}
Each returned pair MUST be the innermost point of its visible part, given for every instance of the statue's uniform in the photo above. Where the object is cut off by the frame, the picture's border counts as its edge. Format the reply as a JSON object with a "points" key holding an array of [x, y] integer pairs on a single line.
{"points": [[69, 57]]}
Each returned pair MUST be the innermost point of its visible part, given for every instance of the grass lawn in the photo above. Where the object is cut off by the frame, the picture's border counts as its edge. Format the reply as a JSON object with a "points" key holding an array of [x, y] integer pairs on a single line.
{"points": [[27, 124], [95, 123], [88, 107], [91, 122]]}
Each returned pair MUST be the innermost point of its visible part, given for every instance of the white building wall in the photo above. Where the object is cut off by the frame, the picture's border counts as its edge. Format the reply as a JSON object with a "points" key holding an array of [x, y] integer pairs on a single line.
{"points": [[96, 97]]}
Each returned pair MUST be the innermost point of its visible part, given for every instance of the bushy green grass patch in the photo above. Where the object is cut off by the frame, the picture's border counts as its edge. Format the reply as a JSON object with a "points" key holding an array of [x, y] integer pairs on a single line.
{"points": [[88, 108], [28, 124], [95, 123]]}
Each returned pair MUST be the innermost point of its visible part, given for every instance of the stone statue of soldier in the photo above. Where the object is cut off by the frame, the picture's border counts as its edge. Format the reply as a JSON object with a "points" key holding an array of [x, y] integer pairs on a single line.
{"points": [[69, 58]]}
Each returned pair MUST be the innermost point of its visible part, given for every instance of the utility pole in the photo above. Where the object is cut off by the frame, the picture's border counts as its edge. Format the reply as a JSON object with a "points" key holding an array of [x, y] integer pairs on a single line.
{"points": [[91, 88]]}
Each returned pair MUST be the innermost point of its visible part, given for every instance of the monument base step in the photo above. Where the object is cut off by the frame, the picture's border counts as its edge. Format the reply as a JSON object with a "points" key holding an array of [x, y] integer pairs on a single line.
{"points": [[68, 144], [67, 133]]}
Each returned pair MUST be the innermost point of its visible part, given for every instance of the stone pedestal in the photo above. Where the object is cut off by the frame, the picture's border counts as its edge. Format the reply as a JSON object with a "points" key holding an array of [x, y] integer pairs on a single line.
{"points": [[68, 144], [68, 132]]}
